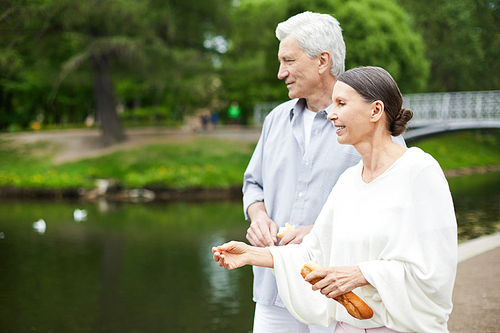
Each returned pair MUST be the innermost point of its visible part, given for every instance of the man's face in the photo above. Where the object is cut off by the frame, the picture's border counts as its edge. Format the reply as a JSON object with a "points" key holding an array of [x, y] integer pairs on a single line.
{"points": [[301, 73]]}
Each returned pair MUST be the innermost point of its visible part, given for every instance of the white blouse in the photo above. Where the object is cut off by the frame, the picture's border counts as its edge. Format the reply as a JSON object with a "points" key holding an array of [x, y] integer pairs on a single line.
{"points": [[400, 229]]}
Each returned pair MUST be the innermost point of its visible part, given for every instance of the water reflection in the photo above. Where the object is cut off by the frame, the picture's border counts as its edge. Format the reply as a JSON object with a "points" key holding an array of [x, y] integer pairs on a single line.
{"points": [[128, 268], [221, 285], [148, 267], [477, 204]]}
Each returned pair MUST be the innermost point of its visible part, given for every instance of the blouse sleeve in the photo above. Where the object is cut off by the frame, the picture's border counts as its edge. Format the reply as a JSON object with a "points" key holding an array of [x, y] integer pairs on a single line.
{"points": [[308, 306]]}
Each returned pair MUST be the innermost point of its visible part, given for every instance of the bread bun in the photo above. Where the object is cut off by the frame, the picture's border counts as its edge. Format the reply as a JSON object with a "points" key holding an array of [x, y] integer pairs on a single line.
{"points": [[353, 304], [285, 230]]}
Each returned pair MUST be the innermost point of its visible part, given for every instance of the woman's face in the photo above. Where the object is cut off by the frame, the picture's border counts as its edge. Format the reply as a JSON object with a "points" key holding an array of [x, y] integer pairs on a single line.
{"points": [[350, 114]]}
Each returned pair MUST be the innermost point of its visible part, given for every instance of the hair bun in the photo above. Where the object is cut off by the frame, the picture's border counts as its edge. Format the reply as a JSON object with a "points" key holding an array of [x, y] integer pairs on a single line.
{"points": [[399, 124]]}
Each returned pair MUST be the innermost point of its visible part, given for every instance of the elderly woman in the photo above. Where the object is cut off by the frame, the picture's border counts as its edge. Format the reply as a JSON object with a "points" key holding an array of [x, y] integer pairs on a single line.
{"points": [[387, 231]]}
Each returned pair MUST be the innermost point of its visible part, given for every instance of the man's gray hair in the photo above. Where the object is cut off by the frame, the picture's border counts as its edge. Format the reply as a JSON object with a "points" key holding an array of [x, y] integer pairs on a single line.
{"points": [[316, 33]]}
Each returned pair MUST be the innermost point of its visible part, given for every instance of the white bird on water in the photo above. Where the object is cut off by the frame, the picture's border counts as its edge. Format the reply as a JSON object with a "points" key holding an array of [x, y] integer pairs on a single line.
{"points": [[40, 226], [80, 215]]}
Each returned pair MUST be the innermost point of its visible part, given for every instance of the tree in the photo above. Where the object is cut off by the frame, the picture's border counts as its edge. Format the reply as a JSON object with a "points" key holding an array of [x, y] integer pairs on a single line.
{"points": [[156, 44], [376, 32], [19, 21], [462, 40], [103, 42]]}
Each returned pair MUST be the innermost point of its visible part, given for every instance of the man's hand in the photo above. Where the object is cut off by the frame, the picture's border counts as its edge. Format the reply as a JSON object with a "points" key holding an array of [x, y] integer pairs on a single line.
{"points": [[296, 236], [263, 231]]}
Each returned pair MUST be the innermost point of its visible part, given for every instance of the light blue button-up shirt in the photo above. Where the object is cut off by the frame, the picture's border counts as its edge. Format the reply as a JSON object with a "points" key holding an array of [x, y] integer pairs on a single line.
{"points": [[293, 181]]}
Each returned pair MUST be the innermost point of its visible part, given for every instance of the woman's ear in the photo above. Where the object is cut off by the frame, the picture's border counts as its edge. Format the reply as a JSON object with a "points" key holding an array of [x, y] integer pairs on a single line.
{"points": [[377, 111], [324, 62]]}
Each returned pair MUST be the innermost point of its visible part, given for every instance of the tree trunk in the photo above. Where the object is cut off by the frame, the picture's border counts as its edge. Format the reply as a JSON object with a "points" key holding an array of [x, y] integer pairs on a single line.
{"points": [[111, 127]]}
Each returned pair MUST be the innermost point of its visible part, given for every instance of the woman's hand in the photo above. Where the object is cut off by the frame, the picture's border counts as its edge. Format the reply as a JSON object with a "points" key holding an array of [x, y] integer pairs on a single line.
{"points": [[296, 236], [236, 254], [336, 281], [231, 255]]}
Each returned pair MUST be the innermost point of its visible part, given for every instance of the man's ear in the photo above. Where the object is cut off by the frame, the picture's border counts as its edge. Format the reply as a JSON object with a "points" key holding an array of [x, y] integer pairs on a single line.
{"points": [[377, 111], [324, 62]]}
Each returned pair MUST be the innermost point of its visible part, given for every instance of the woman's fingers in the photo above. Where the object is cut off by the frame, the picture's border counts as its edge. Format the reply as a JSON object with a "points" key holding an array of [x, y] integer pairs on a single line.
{"points": [[316, 278]]}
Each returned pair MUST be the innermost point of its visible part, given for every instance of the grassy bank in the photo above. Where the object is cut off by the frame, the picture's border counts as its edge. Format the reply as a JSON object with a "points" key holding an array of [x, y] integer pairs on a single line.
{"points": [[464, 149], [202, 163], [197, 163]]}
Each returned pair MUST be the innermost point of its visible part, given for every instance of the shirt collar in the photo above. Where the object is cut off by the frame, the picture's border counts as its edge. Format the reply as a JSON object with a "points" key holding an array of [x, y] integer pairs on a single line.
{"points": [[300, 105]]}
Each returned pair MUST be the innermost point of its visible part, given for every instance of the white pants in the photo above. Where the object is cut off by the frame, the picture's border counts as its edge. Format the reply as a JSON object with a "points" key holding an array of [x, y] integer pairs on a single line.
{"points": [[346, 328], [274, 319]]}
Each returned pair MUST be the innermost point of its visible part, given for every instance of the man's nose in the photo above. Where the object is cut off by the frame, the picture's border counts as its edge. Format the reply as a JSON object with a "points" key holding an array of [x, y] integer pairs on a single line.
{"points": [[282, 73]]}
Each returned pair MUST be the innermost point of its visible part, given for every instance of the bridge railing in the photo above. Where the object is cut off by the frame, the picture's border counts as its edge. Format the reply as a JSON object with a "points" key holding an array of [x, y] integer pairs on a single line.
{"points": [[260, 111], [432, 108], [435, 108]]}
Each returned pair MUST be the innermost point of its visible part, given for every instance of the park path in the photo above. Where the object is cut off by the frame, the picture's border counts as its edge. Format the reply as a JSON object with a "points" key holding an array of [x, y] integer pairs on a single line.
{"points": [[76, 144]]}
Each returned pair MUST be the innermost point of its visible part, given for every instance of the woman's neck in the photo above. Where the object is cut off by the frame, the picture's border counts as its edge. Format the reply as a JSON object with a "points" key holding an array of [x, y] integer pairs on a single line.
{"points": [[378, 156]]}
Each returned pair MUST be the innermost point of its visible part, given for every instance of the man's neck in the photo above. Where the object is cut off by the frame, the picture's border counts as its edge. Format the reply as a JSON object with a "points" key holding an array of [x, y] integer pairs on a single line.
{"points": [[323, 98], [319, 105]]}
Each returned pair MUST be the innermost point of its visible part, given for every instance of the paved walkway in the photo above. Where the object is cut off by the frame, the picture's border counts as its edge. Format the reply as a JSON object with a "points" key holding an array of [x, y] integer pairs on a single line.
{"points": [[476, 296]]}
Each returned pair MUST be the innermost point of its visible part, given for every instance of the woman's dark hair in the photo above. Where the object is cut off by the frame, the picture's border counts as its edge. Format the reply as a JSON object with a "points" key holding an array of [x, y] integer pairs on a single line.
{"points": [[376, 84]]}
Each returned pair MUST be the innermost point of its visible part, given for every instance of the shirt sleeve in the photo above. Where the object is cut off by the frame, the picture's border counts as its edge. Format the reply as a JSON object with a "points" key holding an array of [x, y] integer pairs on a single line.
{"points": [[415, 274], [253, 183]]}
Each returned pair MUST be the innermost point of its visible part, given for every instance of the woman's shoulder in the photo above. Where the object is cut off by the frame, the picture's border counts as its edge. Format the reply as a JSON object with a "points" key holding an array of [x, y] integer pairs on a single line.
{"points": [[419, 161], [416, 154]]}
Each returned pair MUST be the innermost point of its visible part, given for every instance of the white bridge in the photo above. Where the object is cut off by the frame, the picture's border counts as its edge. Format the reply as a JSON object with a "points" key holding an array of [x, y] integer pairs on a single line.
{"points": [[436, 112], [441, 112]]}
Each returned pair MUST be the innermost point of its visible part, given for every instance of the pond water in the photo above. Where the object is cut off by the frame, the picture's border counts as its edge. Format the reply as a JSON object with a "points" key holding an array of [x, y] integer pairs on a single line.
{"points": [[148, 267]]}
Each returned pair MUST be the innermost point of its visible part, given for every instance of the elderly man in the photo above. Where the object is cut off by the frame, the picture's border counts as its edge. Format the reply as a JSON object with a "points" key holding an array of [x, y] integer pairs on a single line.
{"points": [[297, 160]]}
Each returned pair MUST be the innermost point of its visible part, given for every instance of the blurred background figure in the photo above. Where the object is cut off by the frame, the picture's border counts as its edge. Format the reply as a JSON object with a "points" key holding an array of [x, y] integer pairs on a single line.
{"points": [[234, 114]]}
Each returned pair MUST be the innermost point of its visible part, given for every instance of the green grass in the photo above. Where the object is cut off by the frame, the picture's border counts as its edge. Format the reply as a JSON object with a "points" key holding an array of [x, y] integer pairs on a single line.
{"points": [[206, 163], [464, 149], [199, 163]]}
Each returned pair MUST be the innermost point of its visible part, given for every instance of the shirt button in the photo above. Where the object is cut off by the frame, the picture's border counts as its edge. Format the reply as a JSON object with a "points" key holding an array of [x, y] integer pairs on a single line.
{"points": [[300, 194]]}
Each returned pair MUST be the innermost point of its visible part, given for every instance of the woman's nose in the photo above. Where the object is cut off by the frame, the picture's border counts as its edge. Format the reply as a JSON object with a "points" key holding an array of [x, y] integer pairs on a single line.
{"points": [[332, 116]]}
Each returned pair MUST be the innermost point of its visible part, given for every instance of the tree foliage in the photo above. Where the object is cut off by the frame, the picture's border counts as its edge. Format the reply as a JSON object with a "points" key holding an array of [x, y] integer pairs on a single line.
{"points": [[61, 60], [85, 46], [376, 32], [462, 40]]}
